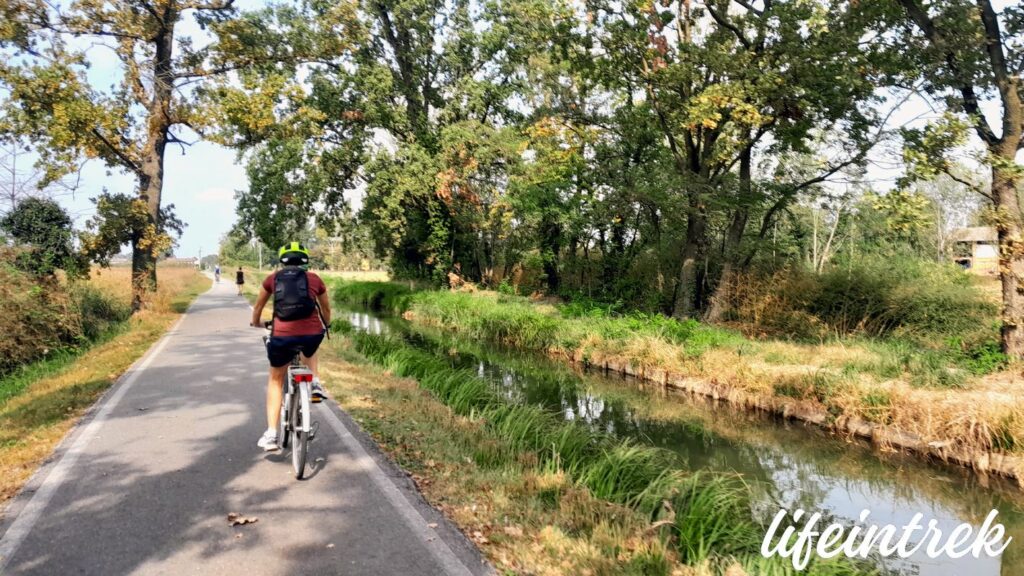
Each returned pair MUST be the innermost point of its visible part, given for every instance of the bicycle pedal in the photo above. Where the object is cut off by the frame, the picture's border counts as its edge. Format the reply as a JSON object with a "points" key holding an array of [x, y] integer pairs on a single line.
{"points": [[313, 429]]}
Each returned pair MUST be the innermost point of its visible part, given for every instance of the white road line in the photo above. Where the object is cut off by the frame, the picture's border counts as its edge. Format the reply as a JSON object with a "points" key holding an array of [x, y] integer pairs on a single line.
{"points": [[430, 539], [30, 514]]}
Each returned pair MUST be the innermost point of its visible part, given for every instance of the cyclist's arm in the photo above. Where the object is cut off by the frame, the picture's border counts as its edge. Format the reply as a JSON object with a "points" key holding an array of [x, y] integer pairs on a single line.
{"points": [[257, 308], [325, 308]]}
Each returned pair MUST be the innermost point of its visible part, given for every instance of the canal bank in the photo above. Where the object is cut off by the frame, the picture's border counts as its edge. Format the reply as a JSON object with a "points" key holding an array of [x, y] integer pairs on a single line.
{"points": [[894, 393], [785, 463]]}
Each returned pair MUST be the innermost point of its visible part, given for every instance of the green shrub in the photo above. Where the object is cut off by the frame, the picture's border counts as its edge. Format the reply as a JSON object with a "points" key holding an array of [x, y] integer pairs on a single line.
{"points": [[983, 356], [37, 317], [99, 312], [885, 296], [506, 288], [872, 296], [41, 316]]}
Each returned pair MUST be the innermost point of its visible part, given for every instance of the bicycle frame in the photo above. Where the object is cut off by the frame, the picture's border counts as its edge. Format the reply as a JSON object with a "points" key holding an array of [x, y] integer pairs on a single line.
{"points": [[299, 379], [295, 425]]}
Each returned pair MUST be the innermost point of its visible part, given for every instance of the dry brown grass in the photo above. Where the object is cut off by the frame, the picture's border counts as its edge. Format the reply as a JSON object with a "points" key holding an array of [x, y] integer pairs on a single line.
{"points": [[33, 422], [173, 283], [986, 417]]}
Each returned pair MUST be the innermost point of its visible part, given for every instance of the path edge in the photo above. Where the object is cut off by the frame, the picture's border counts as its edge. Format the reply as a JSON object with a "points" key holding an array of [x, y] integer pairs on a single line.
{"points": [[15, 507]]}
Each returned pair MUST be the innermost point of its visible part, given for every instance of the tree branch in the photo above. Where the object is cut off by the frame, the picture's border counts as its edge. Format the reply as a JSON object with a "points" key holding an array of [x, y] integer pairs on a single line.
{"points": [[750, 6], [724, 22], [970, 185], [152, 12], [125, 159], [994, 44], [920, 17]]}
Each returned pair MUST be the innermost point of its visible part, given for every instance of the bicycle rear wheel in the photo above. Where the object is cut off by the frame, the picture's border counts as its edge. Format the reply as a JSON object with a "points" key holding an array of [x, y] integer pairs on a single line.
{"points": [[300, 438]]}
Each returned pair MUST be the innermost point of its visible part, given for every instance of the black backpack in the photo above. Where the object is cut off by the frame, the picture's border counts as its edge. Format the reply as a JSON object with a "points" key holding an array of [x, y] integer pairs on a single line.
{"points": [[291, 295]]}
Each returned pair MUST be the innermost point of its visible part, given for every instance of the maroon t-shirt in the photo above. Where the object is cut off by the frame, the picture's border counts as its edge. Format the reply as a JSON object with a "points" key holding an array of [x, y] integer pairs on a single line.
{"points": [[306, 326]]}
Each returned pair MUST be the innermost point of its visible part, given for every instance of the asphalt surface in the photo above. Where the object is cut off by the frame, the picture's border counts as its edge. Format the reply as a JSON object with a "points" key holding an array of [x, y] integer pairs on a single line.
{"points": [[144, 484]]}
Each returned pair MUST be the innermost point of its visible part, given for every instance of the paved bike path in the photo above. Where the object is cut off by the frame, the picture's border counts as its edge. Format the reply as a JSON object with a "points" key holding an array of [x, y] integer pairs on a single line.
{"points": [[145, 483]]}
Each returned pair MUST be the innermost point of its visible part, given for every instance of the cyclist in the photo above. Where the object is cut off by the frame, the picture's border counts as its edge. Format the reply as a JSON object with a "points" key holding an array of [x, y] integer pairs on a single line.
{"points": [[216, 273], [302, 313], [240, 280]]}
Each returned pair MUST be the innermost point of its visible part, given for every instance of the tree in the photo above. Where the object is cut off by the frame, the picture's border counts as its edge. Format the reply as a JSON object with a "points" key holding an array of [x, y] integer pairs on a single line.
{"points": [[129, 127], [722, 80], [44, 229], [124, 219], [376, 107], [967, 52]]}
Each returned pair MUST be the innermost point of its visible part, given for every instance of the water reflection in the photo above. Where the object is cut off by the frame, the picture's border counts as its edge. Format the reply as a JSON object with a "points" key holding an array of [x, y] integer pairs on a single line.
{"points": [[791, 465]]}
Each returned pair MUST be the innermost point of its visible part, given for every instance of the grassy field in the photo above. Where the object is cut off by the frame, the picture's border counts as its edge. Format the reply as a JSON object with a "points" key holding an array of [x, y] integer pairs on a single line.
{"points": [[254, 277], [902, 385], [49, 397], [356, 275]]}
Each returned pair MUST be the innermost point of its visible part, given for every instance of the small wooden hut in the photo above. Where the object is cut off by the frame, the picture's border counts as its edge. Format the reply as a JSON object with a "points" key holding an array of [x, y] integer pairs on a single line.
{"points": [[977, 249]]}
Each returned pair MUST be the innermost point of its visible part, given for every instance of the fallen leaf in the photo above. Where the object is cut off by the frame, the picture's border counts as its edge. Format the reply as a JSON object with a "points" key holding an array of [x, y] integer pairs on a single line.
{"points": [[236, 519], [513, 531], [432, 525], [330, 545]]}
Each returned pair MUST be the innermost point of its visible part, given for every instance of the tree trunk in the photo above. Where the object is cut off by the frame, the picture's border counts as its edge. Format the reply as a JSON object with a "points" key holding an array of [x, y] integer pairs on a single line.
{"points": [[723, 292], [1011, 255], [696, 222], [151, 179]]}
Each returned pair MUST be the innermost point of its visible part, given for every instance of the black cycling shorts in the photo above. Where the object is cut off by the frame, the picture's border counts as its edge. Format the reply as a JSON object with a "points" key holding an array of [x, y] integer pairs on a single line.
{"points": [[281, 349]]}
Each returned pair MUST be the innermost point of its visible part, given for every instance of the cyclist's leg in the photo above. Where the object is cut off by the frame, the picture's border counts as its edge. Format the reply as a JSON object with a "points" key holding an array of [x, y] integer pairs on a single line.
{"points": [[311, 363], [279, 353], [309, 359], [275, 394], [309, 346]]}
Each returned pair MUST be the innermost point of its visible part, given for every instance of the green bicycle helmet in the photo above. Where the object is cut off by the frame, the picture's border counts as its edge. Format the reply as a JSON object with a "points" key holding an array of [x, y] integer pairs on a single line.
{"points": [[293, 254]]}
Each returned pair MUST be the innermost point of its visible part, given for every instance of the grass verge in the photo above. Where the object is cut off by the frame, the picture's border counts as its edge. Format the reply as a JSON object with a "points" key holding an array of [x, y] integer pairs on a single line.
{"points": [[46, 399]]}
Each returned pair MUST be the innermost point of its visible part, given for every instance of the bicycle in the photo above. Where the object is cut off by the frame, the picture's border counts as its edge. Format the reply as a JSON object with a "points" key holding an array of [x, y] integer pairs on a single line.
{"points": [[295, 427]]}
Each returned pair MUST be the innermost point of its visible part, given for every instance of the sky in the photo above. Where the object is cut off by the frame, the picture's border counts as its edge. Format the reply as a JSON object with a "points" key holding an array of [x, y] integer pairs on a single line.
{"points": [[201, 180], [201, 184]]}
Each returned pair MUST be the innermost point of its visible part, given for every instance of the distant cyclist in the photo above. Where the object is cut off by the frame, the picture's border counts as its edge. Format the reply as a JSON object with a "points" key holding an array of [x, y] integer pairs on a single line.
{"points": [[240, 280], [302, 312], [216, 273]]}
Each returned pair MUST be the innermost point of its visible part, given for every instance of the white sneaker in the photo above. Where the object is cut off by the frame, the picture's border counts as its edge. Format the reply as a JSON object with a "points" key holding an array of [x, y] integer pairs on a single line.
{"points": [[317, 392], [268, 441]]}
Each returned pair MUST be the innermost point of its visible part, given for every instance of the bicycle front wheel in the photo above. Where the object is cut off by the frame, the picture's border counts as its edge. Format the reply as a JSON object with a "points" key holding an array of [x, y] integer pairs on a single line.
{"points": [[300, 438]]}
